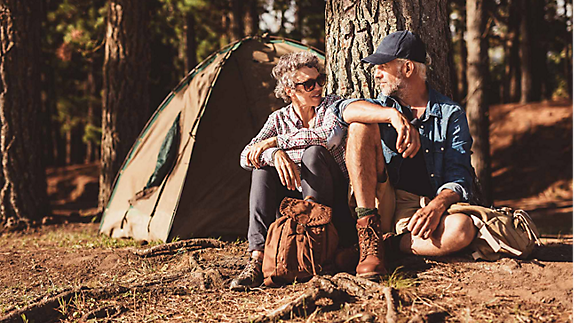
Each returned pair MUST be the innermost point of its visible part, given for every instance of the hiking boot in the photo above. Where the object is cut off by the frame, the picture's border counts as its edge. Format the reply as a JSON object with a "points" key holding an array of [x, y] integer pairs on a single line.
{"points": [[251, 276], [371, 248]]}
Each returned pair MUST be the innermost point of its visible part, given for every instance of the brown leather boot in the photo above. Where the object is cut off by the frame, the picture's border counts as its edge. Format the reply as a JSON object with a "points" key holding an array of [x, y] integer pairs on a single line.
{"points": [[371, 248]]}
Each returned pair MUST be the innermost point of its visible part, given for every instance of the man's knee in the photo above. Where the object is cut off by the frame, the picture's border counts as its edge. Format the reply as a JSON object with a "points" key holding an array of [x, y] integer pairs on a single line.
{"points": [[459, 229], [313, 155], [358, 130]]}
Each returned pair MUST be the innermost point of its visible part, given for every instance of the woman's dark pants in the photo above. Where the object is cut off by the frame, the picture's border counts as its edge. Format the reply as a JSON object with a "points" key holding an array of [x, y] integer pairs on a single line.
{"points": [[321, 178]]}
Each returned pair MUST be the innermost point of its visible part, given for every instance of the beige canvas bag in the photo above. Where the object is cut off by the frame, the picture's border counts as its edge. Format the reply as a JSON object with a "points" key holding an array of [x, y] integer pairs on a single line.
{"points": [[501, 232]]}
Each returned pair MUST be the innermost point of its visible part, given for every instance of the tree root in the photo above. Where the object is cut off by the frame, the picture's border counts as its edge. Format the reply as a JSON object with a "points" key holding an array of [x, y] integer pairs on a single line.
{"points": [[336, 288], [168, 248], [47, 309], [391, 315], [322, 287]]}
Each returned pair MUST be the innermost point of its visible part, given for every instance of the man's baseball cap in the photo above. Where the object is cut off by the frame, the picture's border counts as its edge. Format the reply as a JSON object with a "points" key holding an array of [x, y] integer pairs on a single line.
{"points": [[400, 44]]}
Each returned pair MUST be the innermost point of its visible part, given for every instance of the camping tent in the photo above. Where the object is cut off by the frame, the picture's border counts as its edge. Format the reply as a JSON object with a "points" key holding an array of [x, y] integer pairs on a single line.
{"points": [[182, 176]]}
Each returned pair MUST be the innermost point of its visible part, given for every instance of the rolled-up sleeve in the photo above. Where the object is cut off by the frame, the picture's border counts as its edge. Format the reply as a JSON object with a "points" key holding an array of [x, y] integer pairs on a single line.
{"points": [[457, 159], [268, 130], [339, 107]]}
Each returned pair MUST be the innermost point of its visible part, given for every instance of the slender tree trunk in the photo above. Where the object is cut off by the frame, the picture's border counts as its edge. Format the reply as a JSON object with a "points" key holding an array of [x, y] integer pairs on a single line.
{"points": [[538, 32], [126, 102], [68, 142], [462, 75], [477, 106], [525, 53], [514, 67], [23, 194], [568, 60], [355, 29], [225, 35], [191, 44], [252, 18], [91, 94], [237, 22], [299, 14]]}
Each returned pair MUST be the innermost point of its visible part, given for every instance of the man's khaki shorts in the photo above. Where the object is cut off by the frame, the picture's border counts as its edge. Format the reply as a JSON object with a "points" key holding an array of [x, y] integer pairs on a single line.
{"points": [[396, 207]]}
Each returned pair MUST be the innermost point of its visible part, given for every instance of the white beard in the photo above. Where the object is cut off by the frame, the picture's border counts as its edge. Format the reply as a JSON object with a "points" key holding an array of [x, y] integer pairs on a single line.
{"points": [[394, 89]]}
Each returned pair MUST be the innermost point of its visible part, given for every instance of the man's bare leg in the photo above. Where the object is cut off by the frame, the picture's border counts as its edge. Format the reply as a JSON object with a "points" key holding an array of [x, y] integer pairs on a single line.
{"points": [[454, 232], [364, 159]]}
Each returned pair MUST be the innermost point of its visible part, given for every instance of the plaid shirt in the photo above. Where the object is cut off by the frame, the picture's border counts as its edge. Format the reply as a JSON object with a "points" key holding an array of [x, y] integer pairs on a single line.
{"points": [[293, 138]]}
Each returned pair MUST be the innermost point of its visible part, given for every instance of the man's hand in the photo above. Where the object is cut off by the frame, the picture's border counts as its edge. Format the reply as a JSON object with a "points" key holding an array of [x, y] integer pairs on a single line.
{"points": [[426, 219], [407, 136], [287, 170], [424, 222], [254, 152]]}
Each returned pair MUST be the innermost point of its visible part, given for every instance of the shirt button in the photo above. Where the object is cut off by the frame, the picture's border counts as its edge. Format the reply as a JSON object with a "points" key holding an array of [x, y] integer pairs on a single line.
{"points": [[421, 126], [432, 175], [427, 151], [389, 125], [441, 148]]}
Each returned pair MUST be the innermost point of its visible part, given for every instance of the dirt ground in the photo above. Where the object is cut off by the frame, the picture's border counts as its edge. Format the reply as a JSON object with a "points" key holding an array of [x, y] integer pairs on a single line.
{"points": [[68, 273]]}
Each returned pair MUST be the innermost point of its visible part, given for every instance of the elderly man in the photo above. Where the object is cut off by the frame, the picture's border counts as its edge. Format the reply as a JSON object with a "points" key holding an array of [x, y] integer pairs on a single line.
{"points": [[408, 151]]}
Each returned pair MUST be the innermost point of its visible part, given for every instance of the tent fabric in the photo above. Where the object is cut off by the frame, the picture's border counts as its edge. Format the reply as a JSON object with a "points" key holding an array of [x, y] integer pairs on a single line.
{"points": [[167, 155], [221, 105]]}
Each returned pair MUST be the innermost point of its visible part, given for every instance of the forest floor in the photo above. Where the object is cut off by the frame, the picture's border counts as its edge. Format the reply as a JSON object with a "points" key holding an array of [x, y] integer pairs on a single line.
{"points": [[68, 273]]}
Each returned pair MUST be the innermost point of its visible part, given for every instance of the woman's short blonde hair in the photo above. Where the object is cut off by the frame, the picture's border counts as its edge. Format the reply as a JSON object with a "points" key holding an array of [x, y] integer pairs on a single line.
{"points": [[285, 70]]}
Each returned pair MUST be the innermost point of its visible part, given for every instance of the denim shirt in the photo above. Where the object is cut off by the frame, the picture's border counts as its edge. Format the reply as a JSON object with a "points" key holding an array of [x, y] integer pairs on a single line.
{"points": [[445, 140]]}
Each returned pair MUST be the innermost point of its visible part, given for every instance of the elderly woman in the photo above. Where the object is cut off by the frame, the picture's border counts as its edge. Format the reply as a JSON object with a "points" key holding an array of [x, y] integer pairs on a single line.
{"points": [[298, 153]]}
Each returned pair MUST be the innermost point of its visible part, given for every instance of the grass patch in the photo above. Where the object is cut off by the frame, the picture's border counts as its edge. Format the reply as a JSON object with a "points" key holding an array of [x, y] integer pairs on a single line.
{"points": [[61, 237], [397, 280]]}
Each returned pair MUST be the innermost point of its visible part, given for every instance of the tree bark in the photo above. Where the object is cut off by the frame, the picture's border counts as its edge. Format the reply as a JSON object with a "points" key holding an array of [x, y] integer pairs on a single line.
{"points": [[355, 29], [23, 194], [477, 105], [125, 102]]}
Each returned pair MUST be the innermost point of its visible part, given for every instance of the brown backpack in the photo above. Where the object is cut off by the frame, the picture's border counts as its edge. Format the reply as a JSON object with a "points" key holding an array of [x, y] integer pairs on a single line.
{"points": [[300, 244]]}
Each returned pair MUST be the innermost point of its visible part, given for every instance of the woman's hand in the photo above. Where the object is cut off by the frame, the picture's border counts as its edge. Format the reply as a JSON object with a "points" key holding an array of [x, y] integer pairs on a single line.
{"points": [[254, 152], [407, 136], [287, 170]]}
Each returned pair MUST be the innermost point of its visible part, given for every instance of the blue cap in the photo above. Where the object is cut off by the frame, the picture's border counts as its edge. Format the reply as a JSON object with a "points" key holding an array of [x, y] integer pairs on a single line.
{"points": [[400, 44]]}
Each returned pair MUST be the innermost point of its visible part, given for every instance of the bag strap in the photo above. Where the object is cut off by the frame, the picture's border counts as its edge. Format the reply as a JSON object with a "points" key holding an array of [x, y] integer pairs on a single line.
{"points": [[525, 219]]}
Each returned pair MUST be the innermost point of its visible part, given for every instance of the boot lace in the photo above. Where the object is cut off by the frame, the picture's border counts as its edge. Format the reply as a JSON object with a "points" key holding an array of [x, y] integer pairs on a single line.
{"points": [[368, 241]]}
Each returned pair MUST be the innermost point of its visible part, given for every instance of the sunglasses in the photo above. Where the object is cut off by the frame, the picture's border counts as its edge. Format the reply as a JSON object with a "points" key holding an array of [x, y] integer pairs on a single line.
{"points": [[309, 85]]}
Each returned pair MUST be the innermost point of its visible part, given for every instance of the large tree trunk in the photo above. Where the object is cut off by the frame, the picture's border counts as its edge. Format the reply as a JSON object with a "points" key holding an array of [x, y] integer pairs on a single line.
{"points": [[477, 106], [355, 29], [23, 195], [126, 102]]}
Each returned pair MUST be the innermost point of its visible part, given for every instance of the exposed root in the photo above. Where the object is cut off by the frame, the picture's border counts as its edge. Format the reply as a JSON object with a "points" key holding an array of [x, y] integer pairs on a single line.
{"points": [[337, 288], [47, 309], [168, 248], [42, 311], [322, 287], [391, 315]]}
